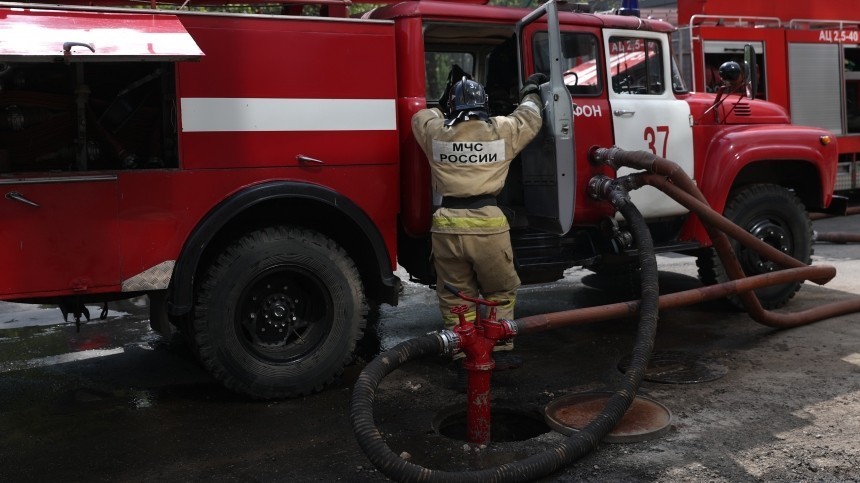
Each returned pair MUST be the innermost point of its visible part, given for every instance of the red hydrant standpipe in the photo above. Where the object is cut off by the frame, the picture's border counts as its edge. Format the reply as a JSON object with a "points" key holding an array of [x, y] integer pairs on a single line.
{"points": [[477, 341]]}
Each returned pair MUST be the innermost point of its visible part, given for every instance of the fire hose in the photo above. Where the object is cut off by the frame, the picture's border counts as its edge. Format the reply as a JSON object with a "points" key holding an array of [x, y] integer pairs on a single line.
{"points": [[671, 179], [575, 446], [851, 210], [668, 177], [835, 237]]}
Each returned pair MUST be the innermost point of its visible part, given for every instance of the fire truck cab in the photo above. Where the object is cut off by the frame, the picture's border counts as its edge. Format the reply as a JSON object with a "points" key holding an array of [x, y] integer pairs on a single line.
{"points": [[808, 54], [255, 175]]}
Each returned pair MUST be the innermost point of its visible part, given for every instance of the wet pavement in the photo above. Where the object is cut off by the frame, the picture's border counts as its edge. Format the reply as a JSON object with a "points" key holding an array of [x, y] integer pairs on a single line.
{"points": [[116, 402]]}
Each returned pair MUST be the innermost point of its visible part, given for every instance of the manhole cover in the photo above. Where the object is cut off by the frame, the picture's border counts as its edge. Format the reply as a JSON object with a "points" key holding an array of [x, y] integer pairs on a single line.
{"points": [[676, 367], [645, 419], [506, 424]]}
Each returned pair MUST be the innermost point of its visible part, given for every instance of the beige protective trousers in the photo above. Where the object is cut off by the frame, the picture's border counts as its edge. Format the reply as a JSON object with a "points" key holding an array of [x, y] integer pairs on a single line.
{"points": [[477, 264]]}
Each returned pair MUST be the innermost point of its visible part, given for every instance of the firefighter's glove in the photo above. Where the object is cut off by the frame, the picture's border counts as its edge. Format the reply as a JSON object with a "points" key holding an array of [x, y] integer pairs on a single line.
{"points": [[532, 84]]}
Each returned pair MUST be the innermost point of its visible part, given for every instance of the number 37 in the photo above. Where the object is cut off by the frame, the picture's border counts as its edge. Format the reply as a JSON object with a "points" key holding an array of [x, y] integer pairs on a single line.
{"points": [[654, 144]]}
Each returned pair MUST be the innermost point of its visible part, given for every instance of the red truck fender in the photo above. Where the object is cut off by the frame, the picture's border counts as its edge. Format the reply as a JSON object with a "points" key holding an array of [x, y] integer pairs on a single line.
{"points": [[733, 151], [182, 284], [754, 154]]}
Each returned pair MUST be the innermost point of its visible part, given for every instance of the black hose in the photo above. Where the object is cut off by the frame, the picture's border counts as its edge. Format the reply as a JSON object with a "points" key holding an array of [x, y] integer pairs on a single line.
{"points": [[535, 466]]}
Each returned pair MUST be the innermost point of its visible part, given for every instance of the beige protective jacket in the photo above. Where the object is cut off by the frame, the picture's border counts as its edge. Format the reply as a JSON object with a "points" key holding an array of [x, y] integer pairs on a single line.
{"points": [[472, 158]]}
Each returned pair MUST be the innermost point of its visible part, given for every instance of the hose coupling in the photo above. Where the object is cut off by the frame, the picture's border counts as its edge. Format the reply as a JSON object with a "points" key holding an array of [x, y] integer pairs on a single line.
{"points": [[631, 182], [602, 187], [510, 326], [450, 341], [619, 239], [598, 186], [606, 156]]}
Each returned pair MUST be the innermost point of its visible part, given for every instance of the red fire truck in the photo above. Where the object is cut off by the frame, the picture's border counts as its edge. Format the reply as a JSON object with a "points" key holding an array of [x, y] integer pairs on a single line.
{"points": [[808, 56], [256, 177]]}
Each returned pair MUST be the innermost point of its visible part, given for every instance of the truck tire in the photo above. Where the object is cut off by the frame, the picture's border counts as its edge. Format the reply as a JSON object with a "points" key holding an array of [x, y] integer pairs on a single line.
{"points": [[775, 215], [278, 313]]}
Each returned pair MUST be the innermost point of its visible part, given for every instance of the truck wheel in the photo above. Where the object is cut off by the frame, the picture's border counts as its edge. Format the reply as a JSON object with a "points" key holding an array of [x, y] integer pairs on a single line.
{"points": [[774, 215], [278, 313]]}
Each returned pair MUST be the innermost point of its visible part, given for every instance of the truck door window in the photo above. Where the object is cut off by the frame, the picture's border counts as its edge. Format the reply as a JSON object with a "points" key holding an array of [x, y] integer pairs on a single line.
{"points": [[438, 64], [717, 53], [636, 65], [580, 61]]}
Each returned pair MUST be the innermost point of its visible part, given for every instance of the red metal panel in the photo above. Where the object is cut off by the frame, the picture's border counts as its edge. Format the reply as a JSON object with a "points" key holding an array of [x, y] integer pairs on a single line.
{"points": [[52, 248], [153, 228], [733, 149], [849, 143], [464, 12], [848, 34], [222, 150], [592, 127], [290, 57], [415, 171], [39, 35], [825, 10]]}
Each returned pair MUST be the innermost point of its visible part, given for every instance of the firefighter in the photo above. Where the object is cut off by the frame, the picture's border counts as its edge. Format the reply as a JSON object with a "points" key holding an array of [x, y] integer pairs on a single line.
{"points": [[469, 154]]}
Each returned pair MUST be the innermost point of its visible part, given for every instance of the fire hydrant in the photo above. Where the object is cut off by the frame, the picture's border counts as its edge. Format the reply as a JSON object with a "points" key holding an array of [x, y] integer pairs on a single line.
{"points": [[477, 341]]}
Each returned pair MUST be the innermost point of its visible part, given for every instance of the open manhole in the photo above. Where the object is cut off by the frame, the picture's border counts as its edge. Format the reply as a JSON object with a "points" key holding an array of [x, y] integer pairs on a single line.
{"points": [[677, 367], [506, 424], [645, 419]]}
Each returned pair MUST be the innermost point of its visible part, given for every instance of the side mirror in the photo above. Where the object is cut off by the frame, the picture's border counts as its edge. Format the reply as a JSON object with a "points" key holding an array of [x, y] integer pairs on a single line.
{"points": [[750, 74]]}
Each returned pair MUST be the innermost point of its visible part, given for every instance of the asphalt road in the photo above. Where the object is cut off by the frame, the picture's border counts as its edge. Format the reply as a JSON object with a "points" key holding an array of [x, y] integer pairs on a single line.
{"points": [[115, 402]]}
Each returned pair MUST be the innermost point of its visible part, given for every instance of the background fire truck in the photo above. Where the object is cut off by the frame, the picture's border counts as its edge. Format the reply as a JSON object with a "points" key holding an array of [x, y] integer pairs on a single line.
{"points": [[256, 177], [808, 55]]}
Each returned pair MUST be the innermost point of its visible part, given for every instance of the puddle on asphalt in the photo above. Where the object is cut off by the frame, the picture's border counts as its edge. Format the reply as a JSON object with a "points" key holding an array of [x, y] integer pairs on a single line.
{"points": [[57, 359]]}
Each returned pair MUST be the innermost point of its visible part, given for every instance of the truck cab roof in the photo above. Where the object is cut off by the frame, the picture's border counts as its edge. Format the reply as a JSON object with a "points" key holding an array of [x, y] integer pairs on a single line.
{"points": [[465, 11]]}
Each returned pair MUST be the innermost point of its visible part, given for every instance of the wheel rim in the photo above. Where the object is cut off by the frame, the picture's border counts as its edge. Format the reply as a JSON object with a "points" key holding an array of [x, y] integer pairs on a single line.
{"points": [[284, 314], [775, 234]]}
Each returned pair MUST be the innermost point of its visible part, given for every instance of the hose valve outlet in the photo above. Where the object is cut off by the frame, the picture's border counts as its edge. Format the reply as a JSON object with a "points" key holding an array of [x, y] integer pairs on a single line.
{"points": [[619, 239], [605, 156], [598, 186], [603, 187], [509, 327]]}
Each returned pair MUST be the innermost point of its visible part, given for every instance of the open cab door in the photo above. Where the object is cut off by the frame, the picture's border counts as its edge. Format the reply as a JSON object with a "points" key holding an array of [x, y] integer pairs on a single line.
{"points": [[549, 175]]}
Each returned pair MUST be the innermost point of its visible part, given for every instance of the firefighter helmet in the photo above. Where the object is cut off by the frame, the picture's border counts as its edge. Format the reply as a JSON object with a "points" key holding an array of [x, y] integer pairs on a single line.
{"points": [[467, 100]]}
